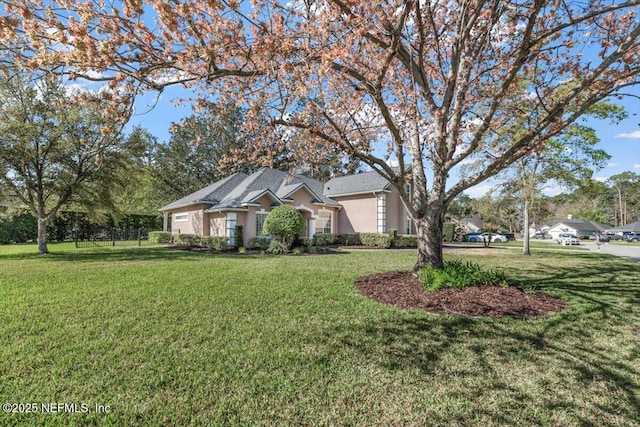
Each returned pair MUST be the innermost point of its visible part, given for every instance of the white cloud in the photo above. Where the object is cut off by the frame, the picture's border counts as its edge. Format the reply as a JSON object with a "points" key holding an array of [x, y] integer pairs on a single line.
{"points": [[601, 178], [478, 190], [635, 135], [612, 165], [636, 166]]}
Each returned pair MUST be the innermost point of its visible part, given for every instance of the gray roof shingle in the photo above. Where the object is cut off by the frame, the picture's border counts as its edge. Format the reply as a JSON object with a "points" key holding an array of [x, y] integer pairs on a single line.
{"points": [[366, 182], [209, 194], [240, 189]]}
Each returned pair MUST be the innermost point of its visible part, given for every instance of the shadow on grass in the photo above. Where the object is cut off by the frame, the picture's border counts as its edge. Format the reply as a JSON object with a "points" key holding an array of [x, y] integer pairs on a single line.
{"points": [[154, 253], [114, 254], [604, 286], [582, 363]]}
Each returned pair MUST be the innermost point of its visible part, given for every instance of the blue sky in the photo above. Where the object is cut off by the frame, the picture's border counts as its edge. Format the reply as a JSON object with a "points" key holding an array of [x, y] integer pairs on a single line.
{"points": [[621, 141]]}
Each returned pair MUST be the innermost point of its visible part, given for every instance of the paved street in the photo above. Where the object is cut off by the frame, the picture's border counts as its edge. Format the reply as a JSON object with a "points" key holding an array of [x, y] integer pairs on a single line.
{"points": [[630, 251]]}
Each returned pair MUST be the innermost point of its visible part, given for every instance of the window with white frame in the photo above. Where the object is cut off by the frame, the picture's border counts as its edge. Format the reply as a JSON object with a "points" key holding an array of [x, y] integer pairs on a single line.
{"points": [[260, 217], [232, 219], [324, 221], [382, 213], [409, 225], [181, 217]]}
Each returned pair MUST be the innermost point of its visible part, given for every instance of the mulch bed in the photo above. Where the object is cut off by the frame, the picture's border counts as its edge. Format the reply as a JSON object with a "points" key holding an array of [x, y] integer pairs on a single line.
{"points": [[404, 290]]}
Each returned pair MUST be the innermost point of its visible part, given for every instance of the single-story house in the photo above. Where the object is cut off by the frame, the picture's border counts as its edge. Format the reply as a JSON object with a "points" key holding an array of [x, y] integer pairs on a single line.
{"points": [[472, 224], [579, 227], [363, 202], [633, 227]]}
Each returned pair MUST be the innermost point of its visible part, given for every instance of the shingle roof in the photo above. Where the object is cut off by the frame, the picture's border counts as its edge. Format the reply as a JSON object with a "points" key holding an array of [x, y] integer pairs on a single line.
{"points": [[579, 225], [239, 189], [366, 182], [210, 194]]}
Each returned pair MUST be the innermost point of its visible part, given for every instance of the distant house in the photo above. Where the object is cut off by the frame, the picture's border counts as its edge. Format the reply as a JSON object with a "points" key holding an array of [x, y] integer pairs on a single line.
{"points": [[363, 202], [471, 224], [579, 227], [633, 227]]}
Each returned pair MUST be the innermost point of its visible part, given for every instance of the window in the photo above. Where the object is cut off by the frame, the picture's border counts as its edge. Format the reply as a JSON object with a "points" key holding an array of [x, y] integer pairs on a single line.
{"points": [[323, 222], [231, 225], [382, 213], [260, 217], [409, 225], [181, 217], [408, 191]]}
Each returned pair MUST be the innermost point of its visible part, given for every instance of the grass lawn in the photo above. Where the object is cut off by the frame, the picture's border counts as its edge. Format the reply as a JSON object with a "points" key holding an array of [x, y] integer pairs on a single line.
{"points": [[167, 337]]}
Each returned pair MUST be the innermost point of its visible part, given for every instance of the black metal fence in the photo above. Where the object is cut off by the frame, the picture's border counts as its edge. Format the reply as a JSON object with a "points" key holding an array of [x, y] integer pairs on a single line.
{"points": [[111, 236]]}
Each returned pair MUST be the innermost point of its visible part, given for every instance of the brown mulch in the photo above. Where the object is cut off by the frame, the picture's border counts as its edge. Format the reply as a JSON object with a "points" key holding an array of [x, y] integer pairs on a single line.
{"points": [[404, 290]]}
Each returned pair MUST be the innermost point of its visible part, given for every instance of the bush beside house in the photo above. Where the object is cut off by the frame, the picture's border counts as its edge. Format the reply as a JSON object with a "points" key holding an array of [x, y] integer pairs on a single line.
{"points": [[285, 223]]}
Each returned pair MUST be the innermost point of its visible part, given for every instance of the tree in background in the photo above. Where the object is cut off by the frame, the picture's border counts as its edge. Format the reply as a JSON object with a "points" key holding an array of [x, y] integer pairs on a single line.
{"points": [[197, 152], [566, 160], [461, 206], [137, 195], [58, 148], [625, 189], [430, 84]]}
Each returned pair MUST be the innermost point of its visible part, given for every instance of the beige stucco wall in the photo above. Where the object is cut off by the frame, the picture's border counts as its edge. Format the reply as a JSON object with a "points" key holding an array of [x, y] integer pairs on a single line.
{"points": [[359, 213], [303, 201], [197, 222], [217, 224]]}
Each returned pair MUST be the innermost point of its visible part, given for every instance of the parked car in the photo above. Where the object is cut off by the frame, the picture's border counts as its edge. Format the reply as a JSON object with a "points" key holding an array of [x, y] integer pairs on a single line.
{"points": [[484, 237], [614, 236], [600, 237], [495, 237], [539, 235], [509, 236], [567, 239], [632, 237]]}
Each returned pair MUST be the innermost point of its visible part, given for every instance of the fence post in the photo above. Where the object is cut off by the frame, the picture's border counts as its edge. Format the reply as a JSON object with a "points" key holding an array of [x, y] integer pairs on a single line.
{"points": [[113, 236], [75, 237]]}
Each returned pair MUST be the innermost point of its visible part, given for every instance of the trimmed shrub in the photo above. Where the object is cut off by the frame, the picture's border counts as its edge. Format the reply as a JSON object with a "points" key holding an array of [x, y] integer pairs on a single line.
{"points": [[278, 247], [238, 235], [303, 242], [160, 237], [328, 239], [392, 233], [459, 275], [190, 240], [324, 239], [350, 239], [449, 231], [259, 243], [406, 241], [284, 222], [375, 240], [216, 243]]}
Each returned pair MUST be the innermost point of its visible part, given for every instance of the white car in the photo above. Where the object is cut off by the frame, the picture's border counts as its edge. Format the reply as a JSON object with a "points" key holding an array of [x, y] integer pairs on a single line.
{"points": [[484, 237], [495, 237], [567, 239]]}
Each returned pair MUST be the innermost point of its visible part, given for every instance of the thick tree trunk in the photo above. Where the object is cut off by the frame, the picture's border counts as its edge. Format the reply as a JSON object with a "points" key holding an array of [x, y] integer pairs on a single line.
{"points": [[429, 235], [42, 236]]}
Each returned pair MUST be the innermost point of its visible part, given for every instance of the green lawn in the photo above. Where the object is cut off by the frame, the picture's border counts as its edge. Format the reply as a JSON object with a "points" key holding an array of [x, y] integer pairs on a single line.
{"points": [[167, 337]]}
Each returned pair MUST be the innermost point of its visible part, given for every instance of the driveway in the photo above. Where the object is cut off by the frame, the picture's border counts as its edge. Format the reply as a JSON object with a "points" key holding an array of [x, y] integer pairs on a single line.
{"points": [[630, 251]]}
